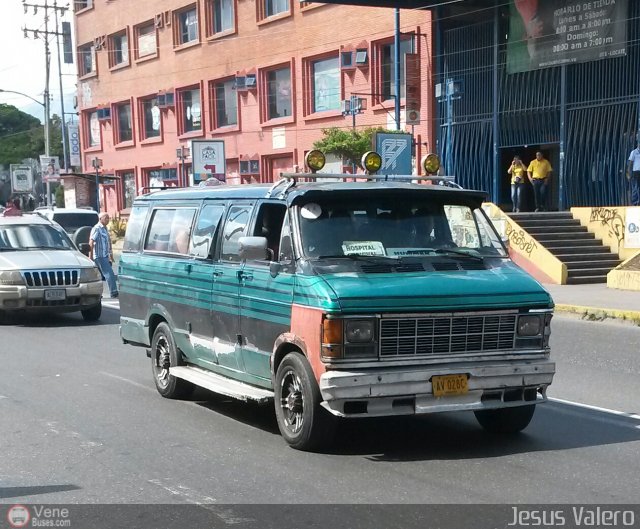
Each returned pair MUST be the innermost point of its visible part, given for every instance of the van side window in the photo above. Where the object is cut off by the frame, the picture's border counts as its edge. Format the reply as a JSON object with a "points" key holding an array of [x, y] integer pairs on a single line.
{"points": [[205, 231], [269, 225], [234, 228], [159, 228], [134, 229], [181, 231]]}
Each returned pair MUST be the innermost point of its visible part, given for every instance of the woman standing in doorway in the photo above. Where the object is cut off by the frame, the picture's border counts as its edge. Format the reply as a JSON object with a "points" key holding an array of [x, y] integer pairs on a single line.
{"points": [[517, 170]]}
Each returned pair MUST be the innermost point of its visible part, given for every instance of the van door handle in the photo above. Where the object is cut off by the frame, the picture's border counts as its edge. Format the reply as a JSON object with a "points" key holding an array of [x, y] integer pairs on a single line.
{"points": [[218, 273], [187, 267], [242, 276]]}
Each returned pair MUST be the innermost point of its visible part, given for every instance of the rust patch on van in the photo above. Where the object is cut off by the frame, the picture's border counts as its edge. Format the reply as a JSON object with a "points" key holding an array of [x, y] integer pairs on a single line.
{"points": [[306, 323]]}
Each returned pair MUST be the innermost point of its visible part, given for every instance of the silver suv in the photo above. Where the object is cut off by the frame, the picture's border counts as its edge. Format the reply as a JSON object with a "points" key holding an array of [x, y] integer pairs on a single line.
{"points": [[41, 270]]}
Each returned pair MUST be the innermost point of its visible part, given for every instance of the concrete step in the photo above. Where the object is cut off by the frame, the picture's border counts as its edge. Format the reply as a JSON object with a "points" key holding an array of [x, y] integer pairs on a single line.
{"points": [[556, 229], [588, 257], [578, 236], [591, 265], [543, 215], [565, 249], [588, 272], [526, 224], [577, 246], [586, 280]]}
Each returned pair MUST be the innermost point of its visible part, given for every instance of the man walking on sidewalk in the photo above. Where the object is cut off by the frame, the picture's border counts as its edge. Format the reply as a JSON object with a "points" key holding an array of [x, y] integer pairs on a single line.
{"points": [[539, 173], [633, 174], [101, 252]]}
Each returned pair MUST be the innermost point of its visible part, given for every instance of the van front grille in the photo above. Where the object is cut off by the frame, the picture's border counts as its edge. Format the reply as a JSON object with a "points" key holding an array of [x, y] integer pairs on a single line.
{"points": [[51, 278], [447, 334]]}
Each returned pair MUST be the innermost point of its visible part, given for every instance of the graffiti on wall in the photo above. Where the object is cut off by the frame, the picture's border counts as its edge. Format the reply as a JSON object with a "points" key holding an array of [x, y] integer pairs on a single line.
{"points": [[518, 238], [611, 219]]}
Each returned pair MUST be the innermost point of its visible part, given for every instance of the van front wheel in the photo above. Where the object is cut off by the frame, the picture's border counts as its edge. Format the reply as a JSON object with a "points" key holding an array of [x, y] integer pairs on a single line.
{"points": [[303, 422], [506, 420], [164, 355]]}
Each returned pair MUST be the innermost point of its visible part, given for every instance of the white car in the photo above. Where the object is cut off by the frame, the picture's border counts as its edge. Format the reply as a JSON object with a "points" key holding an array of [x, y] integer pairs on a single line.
{"points": [[42, 271]]}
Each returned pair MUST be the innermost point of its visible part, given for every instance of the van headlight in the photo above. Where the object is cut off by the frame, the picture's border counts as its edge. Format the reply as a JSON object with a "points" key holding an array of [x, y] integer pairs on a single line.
{"points": [[530, 325], [349, 339], [87, 275], [11, 277], [359, 331]]}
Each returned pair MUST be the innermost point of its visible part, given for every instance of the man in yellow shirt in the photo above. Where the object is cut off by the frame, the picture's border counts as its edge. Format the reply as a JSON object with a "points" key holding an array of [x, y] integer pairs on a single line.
{"points": [[539, 172]]}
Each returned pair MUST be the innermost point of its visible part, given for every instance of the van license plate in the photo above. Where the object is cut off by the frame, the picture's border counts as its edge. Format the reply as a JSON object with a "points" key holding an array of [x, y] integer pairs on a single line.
{"points": [[55, 295], [447, 385]]}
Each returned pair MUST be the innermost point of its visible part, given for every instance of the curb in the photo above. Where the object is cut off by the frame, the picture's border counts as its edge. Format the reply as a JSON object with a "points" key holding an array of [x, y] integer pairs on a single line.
{"points": [[599, 314]]}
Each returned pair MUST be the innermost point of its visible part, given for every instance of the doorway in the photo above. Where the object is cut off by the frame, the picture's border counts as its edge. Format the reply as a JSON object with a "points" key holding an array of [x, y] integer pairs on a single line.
{"points": [[551, 152]]}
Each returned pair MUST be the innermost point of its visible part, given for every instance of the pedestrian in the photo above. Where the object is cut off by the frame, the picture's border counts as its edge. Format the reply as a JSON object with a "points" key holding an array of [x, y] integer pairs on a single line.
{"points": [[539, 173], [517, 171], [633, 174], [101, 252], [13, 207]]}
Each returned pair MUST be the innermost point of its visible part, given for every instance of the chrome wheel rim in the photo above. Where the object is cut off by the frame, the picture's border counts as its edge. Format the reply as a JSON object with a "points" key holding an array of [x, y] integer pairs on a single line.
{"points": [[292, 401], [162, 361]]}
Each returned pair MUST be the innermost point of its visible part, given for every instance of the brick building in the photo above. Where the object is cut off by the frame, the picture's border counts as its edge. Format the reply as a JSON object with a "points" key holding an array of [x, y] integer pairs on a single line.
{"points": [[265, 76]]}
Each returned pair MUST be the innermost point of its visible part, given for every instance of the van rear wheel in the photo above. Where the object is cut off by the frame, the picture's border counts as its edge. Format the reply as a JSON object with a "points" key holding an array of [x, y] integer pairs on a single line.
{"points": [[506, 420], [303, 422], [164, 355]]}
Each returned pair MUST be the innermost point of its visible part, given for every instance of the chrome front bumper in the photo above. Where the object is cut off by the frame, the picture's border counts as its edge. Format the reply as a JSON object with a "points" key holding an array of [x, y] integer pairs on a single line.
{"points": [[404, 391], [20, 297]]}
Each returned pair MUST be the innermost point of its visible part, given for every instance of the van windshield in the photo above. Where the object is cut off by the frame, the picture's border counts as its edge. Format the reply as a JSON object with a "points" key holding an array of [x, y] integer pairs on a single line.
{"points": [[395, 229]]}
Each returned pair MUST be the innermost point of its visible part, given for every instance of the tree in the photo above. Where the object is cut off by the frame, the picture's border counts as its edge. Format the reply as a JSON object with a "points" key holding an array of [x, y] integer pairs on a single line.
{"points": [[349, 144], [22, 135]]}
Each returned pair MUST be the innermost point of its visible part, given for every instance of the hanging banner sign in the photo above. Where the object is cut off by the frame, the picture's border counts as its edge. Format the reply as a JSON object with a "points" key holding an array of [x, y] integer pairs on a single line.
{"points": [[21, 178], [544, 33], [74, 144], [50, 166], [208, 160]]}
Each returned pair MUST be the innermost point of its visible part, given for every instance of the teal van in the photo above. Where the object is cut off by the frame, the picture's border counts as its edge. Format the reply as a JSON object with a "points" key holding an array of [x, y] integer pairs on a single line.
{"points": [[335, 299]]}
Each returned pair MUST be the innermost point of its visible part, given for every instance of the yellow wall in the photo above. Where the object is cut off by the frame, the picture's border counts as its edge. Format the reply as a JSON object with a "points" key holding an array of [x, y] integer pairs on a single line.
{"points": [[527, 248], [607, 223], [626, 278]]}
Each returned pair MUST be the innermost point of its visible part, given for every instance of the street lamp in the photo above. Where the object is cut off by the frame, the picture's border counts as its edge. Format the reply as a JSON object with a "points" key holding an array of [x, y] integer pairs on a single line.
{"points": [[45, 105], [182, 153], [97, 163]]}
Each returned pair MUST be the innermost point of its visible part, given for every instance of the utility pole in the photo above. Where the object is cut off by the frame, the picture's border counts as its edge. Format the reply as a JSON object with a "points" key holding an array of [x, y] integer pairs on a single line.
{"points": [[47, 54]]}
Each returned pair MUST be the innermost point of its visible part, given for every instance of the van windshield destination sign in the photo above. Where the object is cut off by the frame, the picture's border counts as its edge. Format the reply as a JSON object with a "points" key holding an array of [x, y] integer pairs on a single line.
{"points": [[547, 33]]}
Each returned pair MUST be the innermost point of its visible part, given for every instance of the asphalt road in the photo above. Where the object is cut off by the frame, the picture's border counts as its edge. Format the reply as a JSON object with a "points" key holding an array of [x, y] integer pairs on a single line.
{"points": [[81, 422]]}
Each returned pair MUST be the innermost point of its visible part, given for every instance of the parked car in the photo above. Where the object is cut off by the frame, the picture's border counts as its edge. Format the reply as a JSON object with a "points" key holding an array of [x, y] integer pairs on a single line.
{"points": [[77, 222], [42, 271]]}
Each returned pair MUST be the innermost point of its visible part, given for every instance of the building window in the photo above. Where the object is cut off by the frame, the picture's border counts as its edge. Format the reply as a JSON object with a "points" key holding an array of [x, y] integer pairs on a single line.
{"points": [[79, 5], [162, 177], [221, 15], [386, 53], [275, 7], [87, 59], [92, 127], [278, 90], [128, 188], [190, 110], [325, 79], [118, 49], [147, 44], [151, 118], [186, 26], [225, 99], [124, 130]]}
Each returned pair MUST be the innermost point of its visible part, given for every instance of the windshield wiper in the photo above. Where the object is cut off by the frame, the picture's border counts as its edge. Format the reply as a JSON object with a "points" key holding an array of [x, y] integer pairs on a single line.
{"points": [[457, 251], [356, 257], [10, 249], [46, 248]]}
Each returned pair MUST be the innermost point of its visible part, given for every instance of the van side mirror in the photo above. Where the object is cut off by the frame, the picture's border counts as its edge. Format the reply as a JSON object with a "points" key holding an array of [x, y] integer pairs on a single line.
{"points": [[252, 248]]}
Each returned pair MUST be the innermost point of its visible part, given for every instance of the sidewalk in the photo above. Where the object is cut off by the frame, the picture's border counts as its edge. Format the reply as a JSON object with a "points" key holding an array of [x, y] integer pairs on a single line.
{"points": [[596, 301]]}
